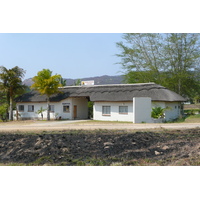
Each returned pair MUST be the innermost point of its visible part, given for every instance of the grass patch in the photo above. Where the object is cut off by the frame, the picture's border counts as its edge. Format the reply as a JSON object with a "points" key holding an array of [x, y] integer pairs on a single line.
{"points": [[193, 119], [194, 116], [43, 160]]}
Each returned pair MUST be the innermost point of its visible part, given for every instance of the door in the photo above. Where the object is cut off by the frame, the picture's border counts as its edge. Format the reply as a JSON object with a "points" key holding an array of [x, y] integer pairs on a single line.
{"points": [[75, 111]]}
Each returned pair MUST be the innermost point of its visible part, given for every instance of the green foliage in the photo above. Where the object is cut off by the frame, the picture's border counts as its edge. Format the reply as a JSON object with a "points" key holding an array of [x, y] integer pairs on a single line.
{"points": [[90, 109], [42, 160], [195, 116], [192, 111], [157, 112], [167, 59], [40, 111], [11, 85], [63, 82], [3, 111], [77, 82], [46, 84]]}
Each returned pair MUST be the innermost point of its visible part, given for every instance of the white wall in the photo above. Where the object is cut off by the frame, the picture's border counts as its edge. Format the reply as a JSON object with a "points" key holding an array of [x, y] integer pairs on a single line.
{"points": [[82, 110], [82, 107], [59, 109], [37, 106], [173, 111], [81, 103], [142, 110], [114, 116]]}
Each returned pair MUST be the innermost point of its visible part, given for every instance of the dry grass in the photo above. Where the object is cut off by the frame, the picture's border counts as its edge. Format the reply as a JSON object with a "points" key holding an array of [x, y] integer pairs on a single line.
{"points": [[193, 119]]}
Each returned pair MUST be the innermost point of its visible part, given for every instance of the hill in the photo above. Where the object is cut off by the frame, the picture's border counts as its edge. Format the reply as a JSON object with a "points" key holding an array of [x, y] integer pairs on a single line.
{"points": [[98, 80]]}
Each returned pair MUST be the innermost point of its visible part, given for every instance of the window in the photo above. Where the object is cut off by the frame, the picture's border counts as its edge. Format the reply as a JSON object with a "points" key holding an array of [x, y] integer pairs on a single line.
{"points": [[65, 108], [123, 109], [106, 110], [51, 108], [30, 108], [21, 108]]}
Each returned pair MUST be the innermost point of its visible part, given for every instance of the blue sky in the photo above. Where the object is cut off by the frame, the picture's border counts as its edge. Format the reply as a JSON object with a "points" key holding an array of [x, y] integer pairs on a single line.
{"points": [[73, 55]]}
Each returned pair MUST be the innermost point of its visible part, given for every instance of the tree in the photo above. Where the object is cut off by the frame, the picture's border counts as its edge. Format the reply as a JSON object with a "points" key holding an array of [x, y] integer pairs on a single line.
{"points": [[77, 82], [63, 82], [11, 84], [46, 84], [40, 111], [171, 60], [183, 55]]}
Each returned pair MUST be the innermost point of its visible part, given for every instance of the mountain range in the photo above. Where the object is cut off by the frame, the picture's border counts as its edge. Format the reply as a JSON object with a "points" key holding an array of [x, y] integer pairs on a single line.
{"points": [[98, 80]]}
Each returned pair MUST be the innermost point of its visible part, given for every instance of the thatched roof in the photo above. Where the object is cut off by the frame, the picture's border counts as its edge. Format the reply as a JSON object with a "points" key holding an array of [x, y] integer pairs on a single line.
{"points": [[119, 92]]}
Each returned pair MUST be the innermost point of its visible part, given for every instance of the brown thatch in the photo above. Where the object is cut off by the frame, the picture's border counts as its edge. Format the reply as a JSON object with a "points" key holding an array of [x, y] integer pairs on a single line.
{"points": [[120, 92]]}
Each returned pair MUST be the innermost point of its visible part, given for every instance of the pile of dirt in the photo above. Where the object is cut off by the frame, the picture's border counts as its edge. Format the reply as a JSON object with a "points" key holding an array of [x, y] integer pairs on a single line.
{"points": [[66, 148]]}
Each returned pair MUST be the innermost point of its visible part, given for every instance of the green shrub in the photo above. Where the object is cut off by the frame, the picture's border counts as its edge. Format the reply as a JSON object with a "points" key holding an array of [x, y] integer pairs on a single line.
{"points": [[192, 111], [3, 111], [157, 112]]}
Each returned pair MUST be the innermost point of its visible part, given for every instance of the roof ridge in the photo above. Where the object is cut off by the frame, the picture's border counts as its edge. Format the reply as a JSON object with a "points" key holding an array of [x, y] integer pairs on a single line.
{"points": [[129, 84]]}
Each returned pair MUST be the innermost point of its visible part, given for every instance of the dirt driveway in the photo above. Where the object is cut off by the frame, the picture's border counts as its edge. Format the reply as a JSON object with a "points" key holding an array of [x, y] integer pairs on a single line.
{"points": [[88, 125]]}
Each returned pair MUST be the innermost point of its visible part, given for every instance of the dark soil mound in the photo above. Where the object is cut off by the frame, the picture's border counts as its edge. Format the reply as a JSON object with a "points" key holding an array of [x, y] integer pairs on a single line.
{"points": [[72, 148]]}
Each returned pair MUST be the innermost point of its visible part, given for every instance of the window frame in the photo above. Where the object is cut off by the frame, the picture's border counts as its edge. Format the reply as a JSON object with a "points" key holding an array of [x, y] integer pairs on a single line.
{"points": [[32, 110], [50, 108], [20, 110], [107, 113], [123, 113], [66, 110]]}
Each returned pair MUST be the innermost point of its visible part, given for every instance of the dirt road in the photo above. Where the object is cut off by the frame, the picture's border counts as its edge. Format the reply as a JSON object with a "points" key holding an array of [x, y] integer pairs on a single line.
{"points": [[88, 125]]}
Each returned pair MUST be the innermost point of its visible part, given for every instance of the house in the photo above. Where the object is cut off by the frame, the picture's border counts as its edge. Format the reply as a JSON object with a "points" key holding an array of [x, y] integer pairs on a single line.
{"points": [[117, 102]]}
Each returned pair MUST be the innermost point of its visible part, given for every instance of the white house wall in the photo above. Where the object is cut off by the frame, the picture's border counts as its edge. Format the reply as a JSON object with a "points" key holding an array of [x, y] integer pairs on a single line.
{"points": [[142, 110], [37, 106], [61, 113], [173, 109], [81, 103], [82, 110], [114, 115], [82, 107], [173, 112]]}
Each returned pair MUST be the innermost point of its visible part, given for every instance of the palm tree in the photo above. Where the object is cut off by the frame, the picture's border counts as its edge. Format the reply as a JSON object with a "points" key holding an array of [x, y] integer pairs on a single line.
{"points": [[63, 82], [46, 84], [40, 111], [77, 82], [11, 84]]}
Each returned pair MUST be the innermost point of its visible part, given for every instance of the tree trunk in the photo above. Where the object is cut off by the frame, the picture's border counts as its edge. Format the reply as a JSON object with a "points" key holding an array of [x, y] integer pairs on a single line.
{"points": [[48, 111], [17, 114], [11, 110]]}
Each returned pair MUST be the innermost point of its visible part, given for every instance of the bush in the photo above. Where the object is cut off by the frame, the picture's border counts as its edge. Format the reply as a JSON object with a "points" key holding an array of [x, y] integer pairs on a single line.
{"points": [[157, 112], [192, 111], [3, 111]]}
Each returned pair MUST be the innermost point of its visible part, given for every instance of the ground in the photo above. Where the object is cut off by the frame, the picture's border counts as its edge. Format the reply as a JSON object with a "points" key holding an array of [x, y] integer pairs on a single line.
{"points": [[99, 143], [38, 126]]}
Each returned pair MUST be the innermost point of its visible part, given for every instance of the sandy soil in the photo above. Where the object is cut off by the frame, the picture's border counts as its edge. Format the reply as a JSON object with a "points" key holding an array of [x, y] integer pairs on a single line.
{"points": [[88, 125]]}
